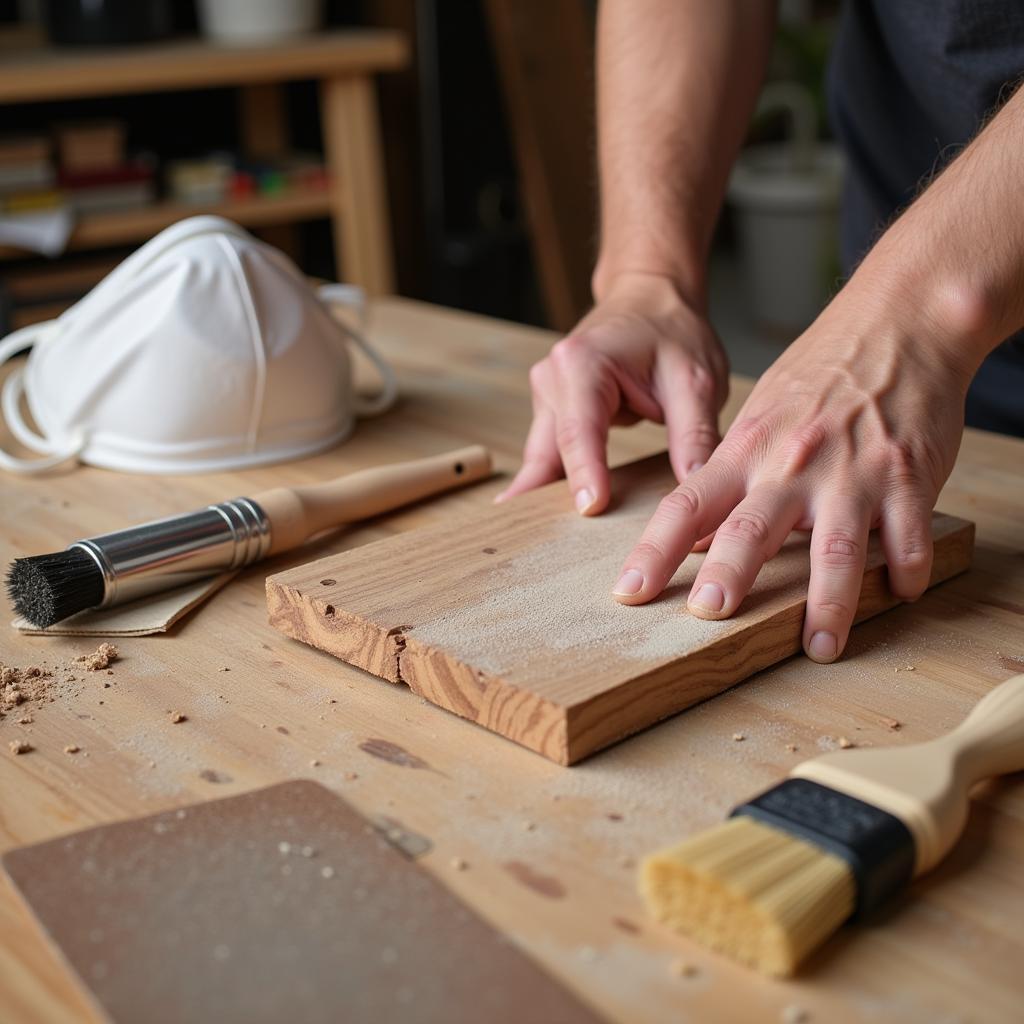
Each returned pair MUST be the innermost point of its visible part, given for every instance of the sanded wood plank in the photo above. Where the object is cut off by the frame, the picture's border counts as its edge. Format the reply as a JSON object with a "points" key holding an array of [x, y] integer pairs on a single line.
{"points": [[507, 619]]}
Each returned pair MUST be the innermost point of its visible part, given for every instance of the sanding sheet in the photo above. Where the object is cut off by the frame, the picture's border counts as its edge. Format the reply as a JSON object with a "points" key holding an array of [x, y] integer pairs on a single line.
{"points": [[279, 905]]}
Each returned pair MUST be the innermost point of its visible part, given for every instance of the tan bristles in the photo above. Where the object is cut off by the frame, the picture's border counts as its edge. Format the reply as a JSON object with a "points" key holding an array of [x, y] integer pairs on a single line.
{"points": [[750, 891]]}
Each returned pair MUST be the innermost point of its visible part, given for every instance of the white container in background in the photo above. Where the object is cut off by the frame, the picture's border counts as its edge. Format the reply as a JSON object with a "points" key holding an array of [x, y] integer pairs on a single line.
{"points": [[255, 22], [786, 200]]}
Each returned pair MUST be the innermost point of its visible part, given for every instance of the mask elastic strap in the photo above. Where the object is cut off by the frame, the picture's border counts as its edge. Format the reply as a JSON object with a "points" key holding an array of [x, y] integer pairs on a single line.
{"points": [[353, 297], [10, 402]]}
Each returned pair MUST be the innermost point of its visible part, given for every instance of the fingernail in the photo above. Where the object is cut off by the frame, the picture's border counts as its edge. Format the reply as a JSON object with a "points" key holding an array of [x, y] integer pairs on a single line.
{"points": [[710, 596], [630, 582], [584, 499], [823, 646], [500, 497], [693, 467]]}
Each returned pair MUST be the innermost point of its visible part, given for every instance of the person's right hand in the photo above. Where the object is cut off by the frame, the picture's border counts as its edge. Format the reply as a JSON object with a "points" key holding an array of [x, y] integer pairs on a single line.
{"points": [[641, 353]]}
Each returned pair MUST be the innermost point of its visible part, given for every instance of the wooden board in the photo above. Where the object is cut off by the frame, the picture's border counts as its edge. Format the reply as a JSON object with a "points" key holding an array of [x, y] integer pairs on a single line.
{"points": [[507, 619], [279, 904]]}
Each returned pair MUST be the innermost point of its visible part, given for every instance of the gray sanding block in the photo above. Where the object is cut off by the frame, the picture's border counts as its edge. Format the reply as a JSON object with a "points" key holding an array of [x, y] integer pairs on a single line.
{"points": [[282, 904]]}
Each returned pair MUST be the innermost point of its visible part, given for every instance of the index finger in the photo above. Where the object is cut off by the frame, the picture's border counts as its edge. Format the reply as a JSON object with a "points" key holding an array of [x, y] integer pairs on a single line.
{"points": [[581, 434]]}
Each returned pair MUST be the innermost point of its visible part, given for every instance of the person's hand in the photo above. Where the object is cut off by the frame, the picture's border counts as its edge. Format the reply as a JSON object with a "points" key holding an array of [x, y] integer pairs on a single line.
{"points": [[856, 425], [641, 353]]}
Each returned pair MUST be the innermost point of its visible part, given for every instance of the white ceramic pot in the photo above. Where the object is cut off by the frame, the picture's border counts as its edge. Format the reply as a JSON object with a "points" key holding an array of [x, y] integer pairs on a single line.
{"points": [[254, 22], [786, 201]]}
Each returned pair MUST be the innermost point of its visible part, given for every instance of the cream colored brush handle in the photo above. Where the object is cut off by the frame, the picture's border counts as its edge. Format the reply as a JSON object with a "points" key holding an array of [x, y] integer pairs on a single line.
{"points": [[990, 740], [927, 785], [298, 513]]}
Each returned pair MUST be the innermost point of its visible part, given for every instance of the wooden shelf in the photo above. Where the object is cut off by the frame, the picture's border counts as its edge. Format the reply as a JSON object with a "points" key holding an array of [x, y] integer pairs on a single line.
{"points": [[342, 61], [32, 73], [95, 230]]}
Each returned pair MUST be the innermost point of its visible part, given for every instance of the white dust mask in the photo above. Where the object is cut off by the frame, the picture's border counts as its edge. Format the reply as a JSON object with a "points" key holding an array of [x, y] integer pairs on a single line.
{"points": [[204, 350]]}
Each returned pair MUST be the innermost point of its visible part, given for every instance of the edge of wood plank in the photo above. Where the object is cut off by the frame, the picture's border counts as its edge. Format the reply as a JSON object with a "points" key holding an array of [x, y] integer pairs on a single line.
{"points": [[497, 705], [613, 716], [568, 733]]}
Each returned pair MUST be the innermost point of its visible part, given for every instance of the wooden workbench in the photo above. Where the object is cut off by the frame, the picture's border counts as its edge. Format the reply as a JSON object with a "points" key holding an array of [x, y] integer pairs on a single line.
{"points": [[564, 888]]}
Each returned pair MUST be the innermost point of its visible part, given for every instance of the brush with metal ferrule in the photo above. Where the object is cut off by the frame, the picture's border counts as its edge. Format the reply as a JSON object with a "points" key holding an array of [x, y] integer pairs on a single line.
{"points": [[167, 553], [837, 839]]}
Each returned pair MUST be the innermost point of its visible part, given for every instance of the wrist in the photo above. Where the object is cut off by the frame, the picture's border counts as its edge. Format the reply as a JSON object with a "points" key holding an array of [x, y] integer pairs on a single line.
{"points": [[945, 314], [655, 292], [944, 306], [625, 273]]}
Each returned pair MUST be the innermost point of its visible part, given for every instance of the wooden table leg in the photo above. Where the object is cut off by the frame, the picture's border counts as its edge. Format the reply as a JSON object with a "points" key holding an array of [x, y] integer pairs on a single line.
{"points": [[362, 240]]}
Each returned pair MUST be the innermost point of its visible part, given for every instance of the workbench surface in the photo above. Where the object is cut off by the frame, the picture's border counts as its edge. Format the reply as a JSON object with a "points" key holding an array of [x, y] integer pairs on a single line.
{"points": [[549, 852]]}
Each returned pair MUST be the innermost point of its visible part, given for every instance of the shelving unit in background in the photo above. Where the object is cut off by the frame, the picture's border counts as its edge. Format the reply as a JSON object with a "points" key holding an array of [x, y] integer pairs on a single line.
{"points": [[342, 61]]}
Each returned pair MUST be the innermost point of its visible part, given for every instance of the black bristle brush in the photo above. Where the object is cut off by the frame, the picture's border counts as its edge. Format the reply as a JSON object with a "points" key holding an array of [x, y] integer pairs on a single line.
{"points": [[168, 553]]}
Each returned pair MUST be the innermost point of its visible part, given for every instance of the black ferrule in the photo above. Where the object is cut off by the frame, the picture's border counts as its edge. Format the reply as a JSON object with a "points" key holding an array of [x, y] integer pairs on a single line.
{"points": [[877, 846]]}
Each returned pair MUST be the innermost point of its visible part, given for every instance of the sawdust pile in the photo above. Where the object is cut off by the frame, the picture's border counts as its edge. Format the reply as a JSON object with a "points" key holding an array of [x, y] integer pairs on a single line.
{"points": [[34, 686], [99, 659]]}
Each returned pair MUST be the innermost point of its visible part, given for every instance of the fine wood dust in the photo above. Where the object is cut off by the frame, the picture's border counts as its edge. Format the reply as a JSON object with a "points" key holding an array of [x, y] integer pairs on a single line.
{"points": [[558, 595]]}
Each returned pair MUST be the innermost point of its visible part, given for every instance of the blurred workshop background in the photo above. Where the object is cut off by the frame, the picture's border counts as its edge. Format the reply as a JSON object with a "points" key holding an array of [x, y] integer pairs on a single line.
{"points": [[440, 150]]}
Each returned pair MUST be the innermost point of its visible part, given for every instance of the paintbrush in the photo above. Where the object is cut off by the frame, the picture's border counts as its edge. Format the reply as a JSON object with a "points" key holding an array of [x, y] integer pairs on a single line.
{"points": [[167, 553], [839, 838]]}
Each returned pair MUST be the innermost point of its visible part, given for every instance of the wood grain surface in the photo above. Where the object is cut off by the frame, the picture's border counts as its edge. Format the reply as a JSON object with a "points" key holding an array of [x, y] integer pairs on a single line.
{"points": [[549, 852], [506, 618]]}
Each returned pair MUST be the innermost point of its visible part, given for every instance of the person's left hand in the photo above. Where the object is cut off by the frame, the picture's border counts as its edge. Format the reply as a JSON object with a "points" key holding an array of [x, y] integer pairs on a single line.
{"points": [[857, 425]]}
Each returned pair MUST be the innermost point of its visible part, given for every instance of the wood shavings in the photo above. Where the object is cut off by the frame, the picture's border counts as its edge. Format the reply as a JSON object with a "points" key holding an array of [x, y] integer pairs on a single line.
{"points": [[458, 864], [20, 746], [683, 969], [315, 763], [177, 718], [738, 737], [26, 720], [43, 684], [18, 686], [892, 723], [792, 748], [100, 658], [72, 748], [351, 776], [529, 826], [846, 743]]}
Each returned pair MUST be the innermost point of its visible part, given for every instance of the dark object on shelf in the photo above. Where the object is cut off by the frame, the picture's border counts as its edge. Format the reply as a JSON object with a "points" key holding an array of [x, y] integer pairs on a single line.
{"points": [[106, 22]]}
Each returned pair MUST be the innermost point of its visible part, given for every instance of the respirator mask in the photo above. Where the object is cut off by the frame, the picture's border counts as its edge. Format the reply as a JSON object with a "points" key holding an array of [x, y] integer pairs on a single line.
{"points": [[204, 350]]}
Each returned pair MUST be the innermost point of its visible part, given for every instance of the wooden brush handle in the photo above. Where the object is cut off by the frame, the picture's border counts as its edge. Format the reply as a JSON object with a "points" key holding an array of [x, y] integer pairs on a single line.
{"points": [[990, 740], [298, 513], [927, 785]]}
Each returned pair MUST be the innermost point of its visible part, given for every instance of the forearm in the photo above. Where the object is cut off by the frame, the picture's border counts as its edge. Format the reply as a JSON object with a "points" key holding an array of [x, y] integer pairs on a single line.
{"points": [[677, 80], [950, 271]]}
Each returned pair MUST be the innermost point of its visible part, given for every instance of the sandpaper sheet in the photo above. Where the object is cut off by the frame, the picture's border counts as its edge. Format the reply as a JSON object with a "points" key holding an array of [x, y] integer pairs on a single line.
{"points": [[155, 613], [282, 904]]}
